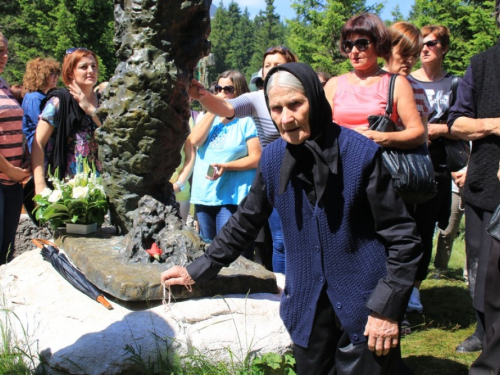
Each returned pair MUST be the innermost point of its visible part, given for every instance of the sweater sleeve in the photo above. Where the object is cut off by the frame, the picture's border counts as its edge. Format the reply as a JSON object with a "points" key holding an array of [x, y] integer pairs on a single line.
{"points": [[236, 235], [398, 232]]}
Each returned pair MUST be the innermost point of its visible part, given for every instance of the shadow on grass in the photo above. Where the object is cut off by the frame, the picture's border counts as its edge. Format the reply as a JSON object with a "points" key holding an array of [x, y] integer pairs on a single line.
{"points": [[428, 365], [447, 307]]}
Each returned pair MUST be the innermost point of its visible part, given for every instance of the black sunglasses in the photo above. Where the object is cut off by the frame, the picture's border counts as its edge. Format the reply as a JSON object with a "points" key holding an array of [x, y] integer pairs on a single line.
{"points": [[69, 51], [432, 43], [361, 44], [227, 89]]}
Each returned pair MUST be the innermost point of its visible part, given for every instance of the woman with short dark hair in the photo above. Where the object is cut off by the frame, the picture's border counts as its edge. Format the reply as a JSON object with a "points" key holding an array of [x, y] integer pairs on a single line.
{"points": [[363, 92]]}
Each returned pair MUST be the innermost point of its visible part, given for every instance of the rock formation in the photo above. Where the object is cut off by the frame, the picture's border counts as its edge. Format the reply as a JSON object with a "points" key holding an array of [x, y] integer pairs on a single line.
{"points": [[145, 109]]}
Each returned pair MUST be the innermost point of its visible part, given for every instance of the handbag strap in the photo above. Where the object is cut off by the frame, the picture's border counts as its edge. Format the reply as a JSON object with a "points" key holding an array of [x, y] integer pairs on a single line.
{"points": [[390, 95], [454, 87]]}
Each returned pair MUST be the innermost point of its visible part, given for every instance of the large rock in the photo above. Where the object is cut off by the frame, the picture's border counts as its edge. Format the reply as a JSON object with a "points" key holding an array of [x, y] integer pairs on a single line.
{"points": [[76, 335]]}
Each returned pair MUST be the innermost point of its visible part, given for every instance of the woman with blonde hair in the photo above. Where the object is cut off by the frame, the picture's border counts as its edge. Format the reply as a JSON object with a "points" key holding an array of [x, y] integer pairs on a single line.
{"points": [[40, 76], [65, 132]]}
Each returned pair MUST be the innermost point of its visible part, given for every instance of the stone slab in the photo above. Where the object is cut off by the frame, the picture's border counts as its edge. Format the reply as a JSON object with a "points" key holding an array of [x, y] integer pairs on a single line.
{"points": [[98, 256]]}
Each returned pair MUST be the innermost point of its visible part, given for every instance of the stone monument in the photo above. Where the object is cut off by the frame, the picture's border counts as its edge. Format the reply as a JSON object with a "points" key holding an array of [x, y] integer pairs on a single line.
{"points": [[144, 116]]}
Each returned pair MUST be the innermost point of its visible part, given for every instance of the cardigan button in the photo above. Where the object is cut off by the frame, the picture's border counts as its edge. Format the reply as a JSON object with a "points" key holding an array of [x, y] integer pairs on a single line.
{"points": [[339, 305], [317, 248], [321, 279], [355, 337]]}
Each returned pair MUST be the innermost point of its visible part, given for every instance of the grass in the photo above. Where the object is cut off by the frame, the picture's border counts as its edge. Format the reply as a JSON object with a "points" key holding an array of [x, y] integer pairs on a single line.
{"points": [[448, 318]]}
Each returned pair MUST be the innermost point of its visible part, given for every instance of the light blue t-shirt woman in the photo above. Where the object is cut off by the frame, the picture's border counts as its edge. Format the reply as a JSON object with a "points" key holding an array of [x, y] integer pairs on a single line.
{"points": [[224, 143]]}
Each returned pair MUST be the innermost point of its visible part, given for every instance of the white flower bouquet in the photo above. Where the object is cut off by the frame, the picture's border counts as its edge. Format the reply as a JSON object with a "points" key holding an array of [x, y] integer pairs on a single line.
{"points": [[81, 200]]}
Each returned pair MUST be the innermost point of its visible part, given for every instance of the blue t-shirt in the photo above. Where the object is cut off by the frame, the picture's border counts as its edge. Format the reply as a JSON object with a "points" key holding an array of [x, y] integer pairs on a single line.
{"points": [[224, 143], [31, 108]]}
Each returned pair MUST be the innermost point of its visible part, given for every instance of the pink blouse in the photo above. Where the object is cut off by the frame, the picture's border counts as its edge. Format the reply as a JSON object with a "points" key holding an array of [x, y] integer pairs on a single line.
{"points": [[352, 104]]}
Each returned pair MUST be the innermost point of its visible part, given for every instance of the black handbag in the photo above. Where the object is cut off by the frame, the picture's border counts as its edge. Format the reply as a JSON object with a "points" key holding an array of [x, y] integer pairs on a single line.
{"points": [[457, 154], [494, 227], [411, 170]]}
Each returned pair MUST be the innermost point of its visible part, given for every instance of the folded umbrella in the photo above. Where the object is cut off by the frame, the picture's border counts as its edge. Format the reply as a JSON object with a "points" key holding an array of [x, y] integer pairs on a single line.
{"points": [[51, 253]]}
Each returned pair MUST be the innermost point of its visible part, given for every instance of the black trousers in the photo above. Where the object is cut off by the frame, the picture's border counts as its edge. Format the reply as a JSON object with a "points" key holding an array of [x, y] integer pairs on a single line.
{"points": [[488, 361], [330, 351]]}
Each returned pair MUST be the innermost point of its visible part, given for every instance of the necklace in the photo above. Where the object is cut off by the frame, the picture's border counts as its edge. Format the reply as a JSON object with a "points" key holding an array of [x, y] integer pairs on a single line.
{"points": [[373, 75]]}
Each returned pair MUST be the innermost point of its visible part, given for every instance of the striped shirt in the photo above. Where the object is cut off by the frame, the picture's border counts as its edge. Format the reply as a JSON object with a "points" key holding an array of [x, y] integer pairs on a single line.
{"points": [[423, 105], [253, 104], [11, 134]]}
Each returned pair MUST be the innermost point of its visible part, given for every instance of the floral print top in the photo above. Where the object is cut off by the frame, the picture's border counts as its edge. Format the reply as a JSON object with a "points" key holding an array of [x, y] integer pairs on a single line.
{"points": [[81, 142]]}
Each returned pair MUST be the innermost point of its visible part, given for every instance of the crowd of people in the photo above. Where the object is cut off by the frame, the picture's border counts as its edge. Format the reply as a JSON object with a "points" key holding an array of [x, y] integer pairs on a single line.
{"points": [[292, 176]]}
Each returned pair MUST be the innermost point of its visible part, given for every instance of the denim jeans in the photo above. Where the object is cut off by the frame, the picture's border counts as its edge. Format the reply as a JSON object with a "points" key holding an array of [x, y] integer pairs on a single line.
{"points": [[211, 219], [11, 201], [278, 245]]}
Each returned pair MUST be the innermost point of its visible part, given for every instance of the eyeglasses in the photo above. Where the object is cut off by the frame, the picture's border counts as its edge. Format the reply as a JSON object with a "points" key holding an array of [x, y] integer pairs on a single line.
{"points": [[227, 89], [432, 43], [277, 49], [55, 74], [69, 51], [361, 44]]}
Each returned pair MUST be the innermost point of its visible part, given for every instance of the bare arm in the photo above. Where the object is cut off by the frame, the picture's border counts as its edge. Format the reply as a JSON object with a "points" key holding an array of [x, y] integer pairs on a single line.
{"points": [[248, 162], [471, 129], [414, 133], [440, 130], [42, 135], [200, 131], [212, 103], [330, 90], [187, 169], [14, 173]]}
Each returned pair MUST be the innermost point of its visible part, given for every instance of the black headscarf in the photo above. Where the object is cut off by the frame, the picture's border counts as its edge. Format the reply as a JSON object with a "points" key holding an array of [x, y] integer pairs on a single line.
{"points": [[315, 158]]}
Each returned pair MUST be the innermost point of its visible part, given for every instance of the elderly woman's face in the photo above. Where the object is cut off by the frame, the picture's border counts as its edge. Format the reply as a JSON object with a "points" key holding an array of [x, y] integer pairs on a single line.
{"points": [[290, 112], [361, 51]]}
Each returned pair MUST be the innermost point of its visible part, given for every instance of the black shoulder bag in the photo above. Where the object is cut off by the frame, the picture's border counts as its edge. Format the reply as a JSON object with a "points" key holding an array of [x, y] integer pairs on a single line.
{"points": [[457, 151], [411, 170]]}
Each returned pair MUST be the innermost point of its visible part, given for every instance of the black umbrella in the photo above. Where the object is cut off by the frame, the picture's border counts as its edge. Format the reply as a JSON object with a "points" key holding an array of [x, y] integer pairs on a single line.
{"points": [[51, 254]]}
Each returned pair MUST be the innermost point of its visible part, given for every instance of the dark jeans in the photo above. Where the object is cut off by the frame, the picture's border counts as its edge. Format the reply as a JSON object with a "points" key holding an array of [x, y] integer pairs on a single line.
{"points": [[331, 352], [11, 201], [211, 219]]}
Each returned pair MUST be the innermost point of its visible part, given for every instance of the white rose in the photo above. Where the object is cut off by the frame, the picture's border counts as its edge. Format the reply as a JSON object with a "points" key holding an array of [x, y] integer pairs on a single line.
{"points": [[71, 182], [46, 192], [80, 192], [55, 196]]}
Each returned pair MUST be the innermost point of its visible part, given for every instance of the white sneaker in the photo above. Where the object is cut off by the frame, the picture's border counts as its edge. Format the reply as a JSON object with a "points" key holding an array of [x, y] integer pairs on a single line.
{"points": [[414, 304]]}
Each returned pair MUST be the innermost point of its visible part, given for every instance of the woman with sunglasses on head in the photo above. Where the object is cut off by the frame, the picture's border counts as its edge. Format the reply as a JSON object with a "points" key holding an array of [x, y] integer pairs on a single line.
{"points": [[253, 104], [65, 132], [226, 160], [437, 84], [363, 92], [40, 76], [12, 172]]}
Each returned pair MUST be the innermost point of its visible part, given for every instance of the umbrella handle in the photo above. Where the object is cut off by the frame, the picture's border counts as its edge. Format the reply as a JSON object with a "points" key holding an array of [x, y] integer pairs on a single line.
{"points": [[104, 302], [40, 242]]}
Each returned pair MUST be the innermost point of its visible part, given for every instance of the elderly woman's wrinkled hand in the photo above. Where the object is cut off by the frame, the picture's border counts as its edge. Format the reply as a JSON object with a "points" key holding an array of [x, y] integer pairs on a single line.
{"points": [[382, 332], [176, 275]]}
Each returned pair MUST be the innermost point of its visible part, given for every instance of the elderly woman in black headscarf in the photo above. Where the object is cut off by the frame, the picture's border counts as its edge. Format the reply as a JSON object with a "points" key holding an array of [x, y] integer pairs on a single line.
{"points": [[352, 249]]}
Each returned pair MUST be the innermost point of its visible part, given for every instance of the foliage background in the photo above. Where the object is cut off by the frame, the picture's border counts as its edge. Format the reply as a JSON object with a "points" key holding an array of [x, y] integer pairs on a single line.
{"points": [[48, 27]]}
